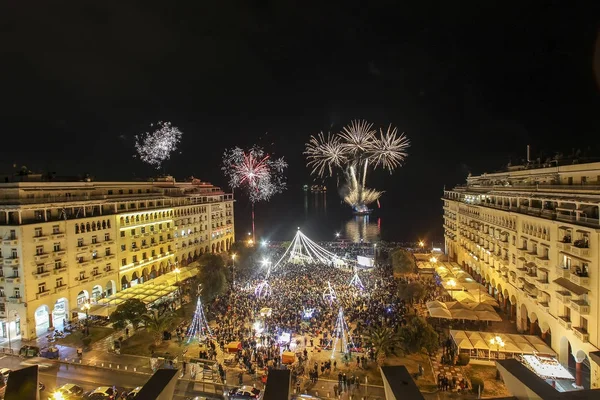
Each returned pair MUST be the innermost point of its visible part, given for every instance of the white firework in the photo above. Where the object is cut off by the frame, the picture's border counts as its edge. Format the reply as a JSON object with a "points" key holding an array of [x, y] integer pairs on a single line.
{"points": [[390, 149], [325, 153], [353, 150], [154, 148], [358, 137]]}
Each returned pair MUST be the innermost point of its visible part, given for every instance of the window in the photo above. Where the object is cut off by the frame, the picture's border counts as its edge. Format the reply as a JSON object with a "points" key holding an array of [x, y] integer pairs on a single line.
{"points": [[39, 250], [151, 228], [121, 191], [134, 259], [133, 232], [122, 233], [80, 242], [153, 253], [81, 275], [17, 293], [583, 324], [56, 246], [59, 282], [94, 254], [13, 234], [123, 262], [143, 229], [106, 237], [143, 242], [57, 264], [108, 267], [162, 250], [94, 239], [133, 245], [38, 232], [110, 192], [107, 251], [40, 269], [13, 253], [161, 238], [123, 247], [95, 271], [55, 229], [144, 256], [41, 287]]}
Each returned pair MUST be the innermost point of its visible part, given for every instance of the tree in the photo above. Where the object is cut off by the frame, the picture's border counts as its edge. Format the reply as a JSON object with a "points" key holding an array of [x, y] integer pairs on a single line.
{"points": [[403, 262], [418, 335], [411, 292], [156, 323], [128, 312], [212, 275], [384, 340]]}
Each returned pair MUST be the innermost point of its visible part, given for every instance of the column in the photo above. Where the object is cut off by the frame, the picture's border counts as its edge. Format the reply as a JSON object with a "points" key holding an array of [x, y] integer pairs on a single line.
{"points": [[50, 321], [532, 328], [45, 215], [20, 219], [578, 380]]}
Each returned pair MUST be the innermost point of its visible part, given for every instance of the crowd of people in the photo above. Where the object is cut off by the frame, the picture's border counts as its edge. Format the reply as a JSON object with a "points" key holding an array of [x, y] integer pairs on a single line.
{"points": [[303, 306]]}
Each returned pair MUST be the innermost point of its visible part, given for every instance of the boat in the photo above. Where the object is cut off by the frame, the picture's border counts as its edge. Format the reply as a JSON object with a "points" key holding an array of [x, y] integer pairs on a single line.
{"points": [[366, 211], [318, 188]]}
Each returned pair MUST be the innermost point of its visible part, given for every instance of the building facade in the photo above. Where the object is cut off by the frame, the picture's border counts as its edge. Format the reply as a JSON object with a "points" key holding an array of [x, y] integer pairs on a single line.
{"points": [[68, 243], [531, 236]]}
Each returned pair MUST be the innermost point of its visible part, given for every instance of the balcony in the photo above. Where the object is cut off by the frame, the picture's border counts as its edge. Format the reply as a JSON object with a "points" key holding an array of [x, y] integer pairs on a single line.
{"points": [[97, 276], [14, 299], [109, 242], [60, 288], [542, 284], [11, 261], [563, 246], [82, 280], [39, 275], [60, 270], [561, 271], [581, 334], [581, 306], [39, 295], [542, 260], [580, 251], [10, 241], [40, 238], [521, 252], [58, 235], [83, 248], [565, 322], [579, 280], [41, 256], [563, 296], [59, 253]]}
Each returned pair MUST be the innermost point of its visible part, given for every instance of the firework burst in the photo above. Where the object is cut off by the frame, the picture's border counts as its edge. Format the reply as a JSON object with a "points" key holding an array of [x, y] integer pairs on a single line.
{"points": [[154, 148], [255, 171], [353, 150]]}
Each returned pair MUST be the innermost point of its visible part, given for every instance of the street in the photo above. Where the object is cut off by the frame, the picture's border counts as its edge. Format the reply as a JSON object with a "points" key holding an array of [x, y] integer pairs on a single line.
{"points": [[90, 378]]}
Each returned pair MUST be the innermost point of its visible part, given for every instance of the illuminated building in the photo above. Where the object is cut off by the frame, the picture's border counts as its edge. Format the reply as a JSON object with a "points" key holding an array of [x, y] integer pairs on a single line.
{"points": [[531, 236], [65, 244]]}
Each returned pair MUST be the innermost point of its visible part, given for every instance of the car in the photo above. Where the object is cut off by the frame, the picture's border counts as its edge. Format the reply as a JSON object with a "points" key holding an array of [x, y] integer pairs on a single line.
{"points": [[132, 393], [244, 393], [70, 390], [103, 393], [41, 362]]}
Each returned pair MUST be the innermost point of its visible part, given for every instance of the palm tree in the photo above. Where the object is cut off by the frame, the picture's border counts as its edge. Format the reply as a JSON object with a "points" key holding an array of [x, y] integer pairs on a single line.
{"points": [[156, 323], [385, 341]]}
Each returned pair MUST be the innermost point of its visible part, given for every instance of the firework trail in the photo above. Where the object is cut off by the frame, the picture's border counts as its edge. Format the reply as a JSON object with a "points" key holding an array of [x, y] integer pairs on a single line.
{"points": [[353, 150], [154, 148]]}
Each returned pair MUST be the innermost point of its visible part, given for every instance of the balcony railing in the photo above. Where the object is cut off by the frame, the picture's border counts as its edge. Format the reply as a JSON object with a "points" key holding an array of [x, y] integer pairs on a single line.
{"points": [[579, 251], [565, 322], [579, 280], [562, 272], [563, 296], [581, 334], [581, 306]]}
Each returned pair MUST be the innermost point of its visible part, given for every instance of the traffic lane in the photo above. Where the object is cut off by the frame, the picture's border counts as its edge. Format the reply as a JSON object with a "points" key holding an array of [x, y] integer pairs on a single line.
{"points": [[90, 378]]}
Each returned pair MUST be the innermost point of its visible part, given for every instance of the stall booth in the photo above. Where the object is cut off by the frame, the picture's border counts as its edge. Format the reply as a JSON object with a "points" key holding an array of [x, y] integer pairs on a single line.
{"points": [[204, 370], [233, 347], [288, 357]]}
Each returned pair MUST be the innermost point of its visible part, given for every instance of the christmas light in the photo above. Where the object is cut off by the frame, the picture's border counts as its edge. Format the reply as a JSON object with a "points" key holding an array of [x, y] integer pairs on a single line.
{"points": [[329, 294], [341, 332], [199, 328]]}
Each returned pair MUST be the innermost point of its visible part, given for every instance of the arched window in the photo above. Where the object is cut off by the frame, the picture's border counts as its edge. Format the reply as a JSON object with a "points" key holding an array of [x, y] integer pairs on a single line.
{"points": [[87, 227], [108, 223], [127, 219], [98, 225], [103, 224], [76, 228], [137, 218]]}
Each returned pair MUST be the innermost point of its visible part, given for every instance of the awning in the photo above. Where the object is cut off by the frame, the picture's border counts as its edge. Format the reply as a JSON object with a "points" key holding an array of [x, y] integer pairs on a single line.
{"points": [[570, 286]]}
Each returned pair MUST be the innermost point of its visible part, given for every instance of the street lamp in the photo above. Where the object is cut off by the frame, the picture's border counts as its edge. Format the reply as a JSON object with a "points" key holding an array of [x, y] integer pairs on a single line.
{"points": [[58, 396], [337, 234], [375, 254], [421, 244], [233, 256], [86, 308], [498, 342], [433, 260]]}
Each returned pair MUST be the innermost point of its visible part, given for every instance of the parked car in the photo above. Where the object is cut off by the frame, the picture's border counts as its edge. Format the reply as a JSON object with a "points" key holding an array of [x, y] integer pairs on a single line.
{"points": [[244, 393], [103, 393], [131, 394], [70, 390]]}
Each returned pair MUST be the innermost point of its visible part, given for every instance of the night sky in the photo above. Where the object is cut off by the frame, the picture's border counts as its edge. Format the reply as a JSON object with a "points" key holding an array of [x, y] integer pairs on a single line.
{"points": [[471, 83]]}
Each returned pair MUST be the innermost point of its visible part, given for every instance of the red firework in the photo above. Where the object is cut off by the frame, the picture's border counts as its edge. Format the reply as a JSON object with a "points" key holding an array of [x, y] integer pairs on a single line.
{"points": [[252, 169]]}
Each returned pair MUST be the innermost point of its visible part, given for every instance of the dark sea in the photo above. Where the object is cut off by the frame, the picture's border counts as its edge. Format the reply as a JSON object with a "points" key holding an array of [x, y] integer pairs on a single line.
{"points": [[320, 216]]}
